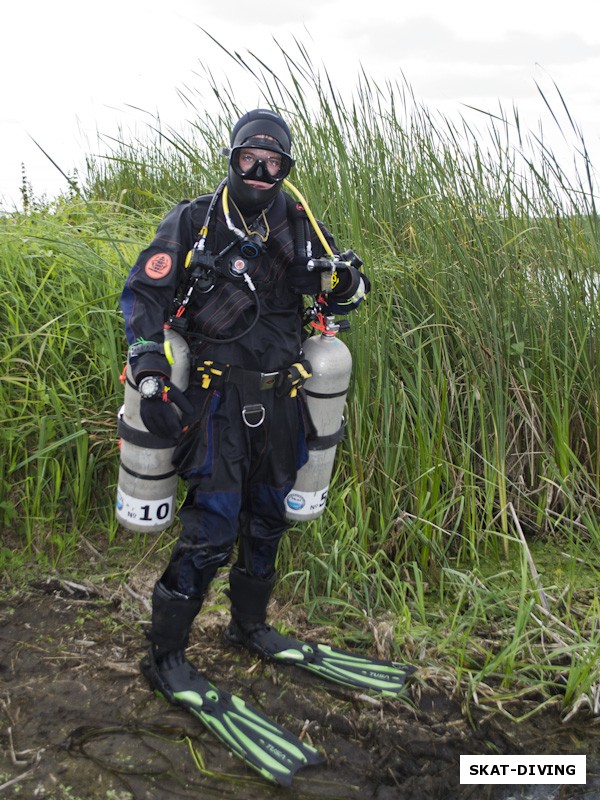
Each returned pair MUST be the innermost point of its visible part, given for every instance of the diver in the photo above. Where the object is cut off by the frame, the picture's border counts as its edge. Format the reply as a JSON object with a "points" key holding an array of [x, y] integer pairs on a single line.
{"points": [[229, 271]]}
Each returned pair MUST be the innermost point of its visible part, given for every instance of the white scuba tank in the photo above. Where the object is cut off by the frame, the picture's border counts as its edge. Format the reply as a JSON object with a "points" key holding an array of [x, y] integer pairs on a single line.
{"points": [[326, 390], [147, 490]]}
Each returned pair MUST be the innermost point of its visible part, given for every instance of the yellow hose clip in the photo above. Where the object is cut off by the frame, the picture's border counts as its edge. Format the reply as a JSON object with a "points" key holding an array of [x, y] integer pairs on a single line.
{"points": [[169, 352], [208, 370]]}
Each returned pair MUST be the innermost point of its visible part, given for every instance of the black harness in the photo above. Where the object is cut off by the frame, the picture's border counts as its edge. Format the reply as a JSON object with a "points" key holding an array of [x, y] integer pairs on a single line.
{"points": [[201, 273], [205, 265]]}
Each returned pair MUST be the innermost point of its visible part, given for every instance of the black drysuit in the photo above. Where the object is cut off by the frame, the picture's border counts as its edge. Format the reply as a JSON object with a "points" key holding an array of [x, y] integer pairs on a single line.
{"points": [[238, 475]]}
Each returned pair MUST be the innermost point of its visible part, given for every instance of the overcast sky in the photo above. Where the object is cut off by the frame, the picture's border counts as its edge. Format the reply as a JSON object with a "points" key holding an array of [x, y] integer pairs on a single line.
{"points": [[71, 70]]}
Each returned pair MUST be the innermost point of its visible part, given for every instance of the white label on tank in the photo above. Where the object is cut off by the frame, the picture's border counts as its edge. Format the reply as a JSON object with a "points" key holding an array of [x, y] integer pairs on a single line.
{"points": [[143, 512], [306, 503]]}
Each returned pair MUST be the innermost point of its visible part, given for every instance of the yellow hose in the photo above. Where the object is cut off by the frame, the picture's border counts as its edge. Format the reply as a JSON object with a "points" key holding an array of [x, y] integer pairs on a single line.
{"points": [[310, 216]]}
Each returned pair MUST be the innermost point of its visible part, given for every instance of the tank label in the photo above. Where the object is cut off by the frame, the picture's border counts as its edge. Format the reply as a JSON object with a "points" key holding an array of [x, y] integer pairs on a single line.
{"points": [[306, 503], [147, 513]]}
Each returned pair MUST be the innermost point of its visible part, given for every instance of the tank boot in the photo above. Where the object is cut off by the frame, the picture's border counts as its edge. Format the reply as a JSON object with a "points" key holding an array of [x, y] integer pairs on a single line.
{"points": [[248, 627]]}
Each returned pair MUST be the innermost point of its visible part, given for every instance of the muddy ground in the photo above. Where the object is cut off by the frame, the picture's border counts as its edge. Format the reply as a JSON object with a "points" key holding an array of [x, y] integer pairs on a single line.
{"points": [[77, 721]]}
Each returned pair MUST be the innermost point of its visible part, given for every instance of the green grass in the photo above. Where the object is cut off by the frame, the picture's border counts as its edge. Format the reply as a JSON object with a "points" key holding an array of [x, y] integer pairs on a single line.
{"points": [[463, 528]]}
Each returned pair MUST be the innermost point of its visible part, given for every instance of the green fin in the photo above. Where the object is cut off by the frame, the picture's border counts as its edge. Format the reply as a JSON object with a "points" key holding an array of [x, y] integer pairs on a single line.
{"points": [[264, 745], [357, 672], [354, 671]]}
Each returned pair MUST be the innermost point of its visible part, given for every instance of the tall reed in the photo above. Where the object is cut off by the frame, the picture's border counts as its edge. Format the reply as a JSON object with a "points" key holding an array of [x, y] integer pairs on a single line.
{"points": [[473, 417]]}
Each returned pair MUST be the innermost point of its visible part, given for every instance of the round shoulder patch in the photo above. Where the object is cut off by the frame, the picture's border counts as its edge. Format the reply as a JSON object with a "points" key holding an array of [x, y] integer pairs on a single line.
{"points": [[158, 265]]}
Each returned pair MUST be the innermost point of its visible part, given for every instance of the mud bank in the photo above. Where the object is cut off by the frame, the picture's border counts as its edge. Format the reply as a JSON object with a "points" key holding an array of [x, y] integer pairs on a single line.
{"points": [[77, 721]]}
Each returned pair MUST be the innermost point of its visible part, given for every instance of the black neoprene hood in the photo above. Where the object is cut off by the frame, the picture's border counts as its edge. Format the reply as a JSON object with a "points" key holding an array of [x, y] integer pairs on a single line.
{"points": [[256, 123], [265, 122]]}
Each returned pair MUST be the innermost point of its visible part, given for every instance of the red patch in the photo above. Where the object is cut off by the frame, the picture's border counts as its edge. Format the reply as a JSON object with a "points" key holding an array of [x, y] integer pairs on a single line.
{"points": [[158, 266]]}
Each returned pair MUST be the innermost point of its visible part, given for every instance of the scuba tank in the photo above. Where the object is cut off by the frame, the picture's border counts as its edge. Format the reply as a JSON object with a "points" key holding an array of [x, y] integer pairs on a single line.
{"points": [[147, 490], [326, 390]]}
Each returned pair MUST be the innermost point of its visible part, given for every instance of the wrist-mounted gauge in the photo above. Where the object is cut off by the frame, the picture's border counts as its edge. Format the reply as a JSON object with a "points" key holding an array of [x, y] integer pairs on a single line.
{"points": [[150, 387]]}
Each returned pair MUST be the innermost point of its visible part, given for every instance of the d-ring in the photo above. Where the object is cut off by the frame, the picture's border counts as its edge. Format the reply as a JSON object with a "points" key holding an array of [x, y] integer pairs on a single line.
{"points": [[255, 409]]}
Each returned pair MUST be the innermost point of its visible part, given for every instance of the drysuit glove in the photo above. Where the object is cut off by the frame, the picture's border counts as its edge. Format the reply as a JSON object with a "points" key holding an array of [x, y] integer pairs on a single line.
{"points": [[303, 280], [348, 283], [159, 413], [350, 291]]}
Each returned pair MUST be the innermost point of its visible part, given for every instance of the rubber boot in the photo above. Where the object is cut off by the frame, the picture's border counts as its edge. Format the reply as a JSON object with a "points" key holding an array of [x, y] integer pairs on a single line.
{"points": [[249, 599], [165, 666], [172, 617]]}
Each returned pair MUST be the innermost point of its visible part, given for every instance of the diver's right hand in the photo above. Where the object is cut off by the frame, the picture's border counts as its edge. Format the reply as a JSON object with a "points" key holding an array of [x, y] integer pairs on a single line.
{"points": [[159, 399]]}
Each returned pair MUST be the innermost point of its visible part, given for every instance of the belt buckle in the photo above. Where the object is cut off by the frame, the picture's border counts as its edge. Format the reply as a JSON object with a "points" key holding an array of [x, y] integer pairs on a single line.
{"points": [[268, 380]]}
